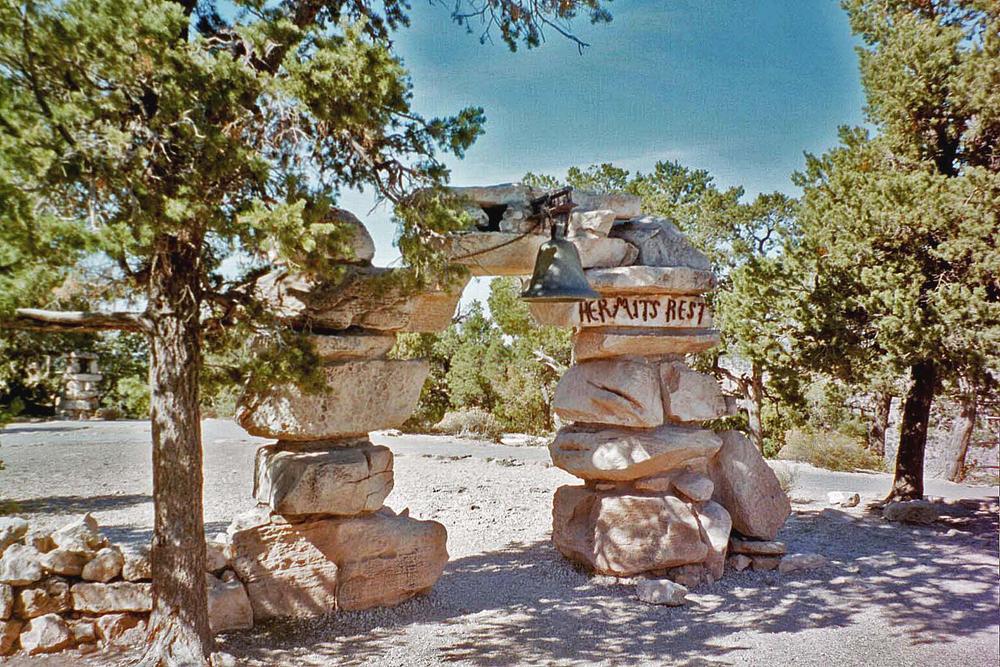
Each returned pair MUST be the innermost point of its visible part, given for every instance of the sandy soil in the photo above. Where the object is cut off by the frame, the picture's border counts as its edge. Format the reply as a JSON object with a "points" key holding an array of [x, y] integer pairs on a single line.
{"points": [[893, 595]]}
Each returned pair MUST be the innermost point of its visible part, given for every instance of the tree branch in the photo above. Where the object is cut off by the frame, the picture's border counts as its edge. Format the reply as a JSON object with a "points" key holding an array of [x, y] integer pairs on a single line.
{"points": [[33, 319]]}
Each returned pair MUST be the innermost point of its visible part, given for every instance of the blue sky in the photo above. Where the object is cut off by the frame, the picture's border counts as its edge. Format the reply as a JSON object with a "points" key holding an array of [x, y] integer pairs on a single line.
{"points": [[738, 88]]}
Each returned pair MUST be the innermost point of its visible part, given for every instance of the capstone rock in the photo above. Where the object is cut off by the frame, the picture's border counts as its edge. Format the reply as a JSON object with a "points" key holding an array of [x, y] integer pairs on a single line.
{"points": [[315, 567], [359, 397], [623, 205], [339, 481], [82, 536], [514, 254], [45, 634], [620, 454], [621, 534], [747, 487], [660, 243], [350, 243], [619, 392], [590, 223], [604, 343], [688, 395]]}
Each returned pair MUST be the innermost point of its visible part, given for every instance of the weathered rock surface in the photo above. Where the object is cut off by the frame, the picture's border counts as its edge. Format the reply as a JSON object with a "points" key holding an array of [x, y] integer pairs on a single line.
{"points": [[6, 601], [228, 605], [40, 539], [45, 634], [341, 481], [621, 534], [64, 562], [360, 396], [82, 536], [911, 511], [651, 280], [764, 563], [370, 298], [12, 529], [121, 629], [661, 591], [49, 596], [623, 205], [514, 254], [693, 485], [739, 545], [9, 631], [315, 567], [625, 454], [84, 630], [20, 566], [715, 526], [688, 395], [660, 243], [216, 558], [747, 487], [352, 346], [621, 392], [590, 223], [104, 566], [136, 566], [604, 343], [503, 194], [117, 596], [796, 562], [739, 562]]}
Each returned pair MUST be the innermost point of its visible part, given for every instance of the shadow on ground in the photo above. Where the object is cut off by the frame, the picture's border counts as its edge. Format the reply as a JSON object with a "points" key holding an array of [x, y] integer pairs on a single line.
{"points": [[526, 605], [72, 505]]}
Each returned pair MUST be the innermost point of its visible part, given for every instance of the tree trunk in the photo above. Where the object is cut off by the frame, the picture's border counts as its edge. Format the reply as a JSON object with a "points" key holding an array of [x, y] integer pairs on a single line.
{"points": [[961, 434], [908, 483], [755, 405], [879, 423], [178, 628]]}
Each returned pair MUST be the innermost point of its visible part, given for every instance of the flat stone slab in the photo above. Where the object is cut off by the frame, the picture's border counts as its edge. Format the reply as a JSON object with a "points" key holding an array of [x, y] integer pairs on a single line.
{"points": [[340, 481], [622, 392], [360, 396], [651, 280], [624, 535], [512, 254], [647, 311], [317, 567], [349, 347], [616, 342], [620, 454]]}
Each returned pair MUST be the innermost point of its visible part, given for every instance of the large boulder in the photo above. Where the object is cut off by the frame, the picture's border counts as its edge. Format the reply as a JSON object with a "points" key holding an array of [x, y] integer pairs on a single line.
{"points": [[342, 480], [690, 396], [347, 242], [380, 299], [620, 392], [620, 454], [316, 567], [660, 243], [747, 487], [360, 396], [623, 535], [605, 343]]}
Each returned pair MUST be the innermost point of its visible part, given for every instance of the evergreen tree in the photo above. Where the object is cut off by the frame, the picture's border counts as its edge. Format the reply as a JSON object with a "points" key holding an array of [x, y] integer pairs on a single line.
{"points": [[166, 134]]}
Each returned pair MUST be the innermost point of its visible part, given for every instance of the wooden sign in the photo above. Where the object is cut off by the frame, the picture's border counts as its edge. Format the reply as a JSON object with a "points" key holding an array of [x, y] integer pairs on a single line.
{"points": [[662, 311]]}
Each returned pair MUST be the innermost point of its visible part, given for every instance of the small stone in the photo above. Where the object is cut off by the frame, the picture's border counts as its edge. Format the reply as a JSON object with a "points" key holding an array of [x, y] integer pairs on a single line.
{"points": [[104, 566], [661, 591], [136, 565], [82, 536], [765, 562], [660, 243], [121, 629], [49, 596], [64, 562], [688, 395], [618, 392], [84, 630], [228, 605], [215, 556], [20, 566], [843, 498], [45, 634], [795, 562], [114, 597], [695, 486], [756, 547], [6, 601], [912, 511], [9, 631], [739, 562], [12, 529]]}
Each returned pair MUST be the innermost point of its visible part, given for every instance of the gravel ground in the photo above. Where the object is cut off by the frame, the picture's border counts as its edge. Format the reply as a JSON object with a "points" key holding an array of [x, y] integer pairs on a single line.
{"points": [[892, 595]]}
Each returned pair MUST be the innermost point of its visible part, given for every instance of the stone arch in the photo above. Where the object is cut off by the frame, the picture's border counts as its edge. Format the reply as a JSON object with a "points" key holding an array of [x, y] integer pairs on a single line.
{"points": [[659, 493]]}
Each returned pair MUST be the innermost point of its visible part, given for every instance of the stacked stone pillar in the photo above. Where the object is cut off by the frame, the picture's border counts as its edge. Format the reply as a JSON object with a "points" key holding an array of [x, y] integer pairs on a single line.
{"points": [[81, 396]]}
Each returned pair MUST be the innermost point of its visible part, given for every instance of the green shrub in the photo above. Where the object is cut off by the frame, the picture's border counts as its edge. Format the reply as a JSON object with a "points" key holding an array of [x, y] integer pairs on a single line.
{"points": [[470, 423], [828, 449]]}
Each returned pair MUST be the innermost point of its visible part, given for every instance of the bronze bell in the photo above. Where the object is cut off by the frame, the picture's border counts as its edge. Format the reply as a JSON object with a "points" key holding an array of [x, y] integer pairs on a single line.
{"points": [[558, 275]]}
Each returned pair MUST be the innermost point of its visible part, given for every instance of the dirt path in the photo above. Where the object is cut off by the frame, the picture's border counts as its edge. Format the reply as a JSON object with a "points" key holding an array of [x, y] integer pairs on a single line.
{"points": [[893, 595]]}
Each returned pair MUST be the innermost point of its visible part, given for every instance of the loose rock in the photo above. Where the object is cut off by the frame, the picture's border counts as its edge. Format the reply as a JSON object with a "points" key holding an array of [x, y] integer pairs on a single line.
{"points": [[104, 566], [661, 591], [136, 566], [715, 525], [6, 601], [696, 487], [765, 562], [843, 498], [590, 223], [621, 392], [912, 511], [216, 558], [660, 243], [45, 634], [795, 562], [82, 536], [747, 487], [739, 562]]}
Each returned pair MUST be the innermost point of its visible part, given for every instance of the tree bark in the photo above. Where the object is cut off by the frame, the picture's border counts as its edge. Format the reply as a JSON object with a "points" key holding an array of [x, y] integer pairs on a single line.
{"points": [[880, 423], [908, 483], [178, 628], [755, 406], [961, 434]]}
